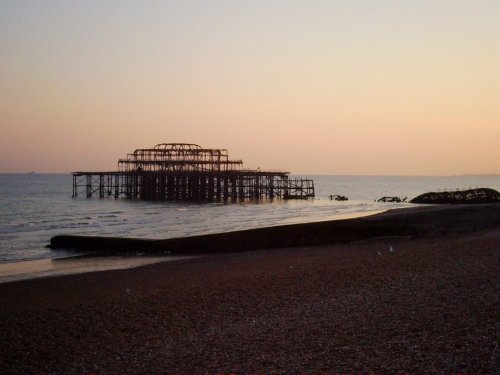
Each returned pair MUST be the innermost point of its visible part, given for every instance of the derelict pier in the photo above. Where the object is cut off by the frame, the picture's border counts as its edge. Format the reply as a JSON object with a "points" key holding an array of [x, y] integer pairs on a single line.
{"points": [[188, 172]]}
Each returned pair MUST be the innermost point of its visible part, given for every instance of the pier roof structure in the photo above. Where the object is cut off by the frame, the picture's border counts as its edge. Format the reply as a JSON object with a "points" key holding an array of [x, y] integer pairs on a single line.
{"points": [[179, 157]]}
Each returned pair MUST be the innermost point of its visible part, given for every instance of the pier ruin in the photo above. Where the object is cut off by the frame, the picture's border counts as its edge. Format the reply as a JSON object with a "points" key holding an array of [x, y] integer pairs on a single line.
{"points": [[188, 172]]}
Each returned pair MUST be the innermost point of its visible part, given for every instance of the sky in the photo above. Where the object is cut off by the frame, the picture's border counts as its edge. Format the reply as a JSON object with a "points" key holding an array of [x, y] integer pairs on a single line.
{"points": [[311, 87]]}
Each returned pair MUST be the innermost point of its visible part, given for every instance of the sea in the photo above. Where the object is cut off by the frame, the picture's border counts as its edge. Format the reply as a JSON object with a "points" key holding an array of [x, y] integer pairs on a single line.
{"points": [[35, 207]]}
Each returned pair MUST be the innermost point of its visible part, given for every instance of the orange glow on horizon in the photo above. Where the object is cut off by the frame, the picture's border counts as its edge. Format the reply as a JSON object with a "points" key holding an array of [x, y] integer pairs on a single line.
{"points": [[322, 88]]}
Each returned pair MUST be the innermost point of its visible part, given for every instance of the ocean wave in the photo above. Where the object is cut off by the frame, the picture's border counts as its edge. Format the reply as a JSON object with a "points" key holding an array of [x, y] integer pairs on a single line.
{"points": [[30, 219]]}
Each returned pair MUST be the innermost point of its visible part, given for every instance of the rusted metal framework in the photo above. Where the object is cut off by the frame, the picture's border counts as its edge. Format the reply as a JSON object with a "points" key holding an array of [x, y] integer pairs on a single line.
{"points": [[176, 157], [188, 172]]}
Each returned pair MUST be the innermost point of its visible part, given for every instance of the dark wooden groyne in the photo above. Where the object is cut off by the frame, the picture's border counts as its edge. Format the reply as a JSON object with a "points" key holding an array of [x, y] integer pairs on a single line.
{"points": [[188, 172], [419, 222], [339, 231]]}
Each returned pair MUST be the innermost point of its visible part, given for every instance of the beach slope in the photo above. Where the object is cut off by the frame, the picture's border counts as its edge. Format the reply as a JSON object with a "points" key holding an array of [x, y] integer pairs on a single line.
{"points": [[425, 301]]}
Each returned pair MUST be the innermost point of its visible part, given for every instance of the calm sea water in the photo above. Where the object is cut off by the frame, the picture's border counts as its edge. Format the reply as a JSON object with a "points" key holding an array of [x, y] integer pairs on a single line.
{"points": [[35, 207]]}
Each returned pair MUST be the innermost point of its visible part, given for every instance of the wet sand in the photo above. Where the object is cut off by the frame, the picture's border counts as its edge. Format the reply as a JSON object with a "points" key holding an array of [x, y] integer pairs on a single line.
{"points": [[423, 302], [74, 265]]}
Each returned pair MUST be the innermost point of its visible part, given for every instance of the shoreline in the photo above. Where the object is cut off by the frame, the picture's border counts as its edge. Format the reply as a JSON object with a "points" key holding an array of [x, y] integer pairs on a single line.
{"points": [[122, 253], [399, 222], [421, 304], [47, 267], [42, 268]]}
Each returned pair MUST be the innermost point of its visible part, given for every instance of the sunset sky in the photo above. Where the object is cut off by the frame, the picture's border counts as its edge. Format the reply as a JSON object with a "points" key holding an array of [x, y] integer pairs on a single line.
{"points": [[312, 87]]}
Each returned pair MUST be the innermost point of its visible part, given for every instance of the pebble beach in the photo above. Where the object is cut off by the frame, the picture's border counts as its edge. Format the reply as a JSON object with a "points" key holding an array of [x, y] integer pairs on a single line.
{"points": [[426, 303]]}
